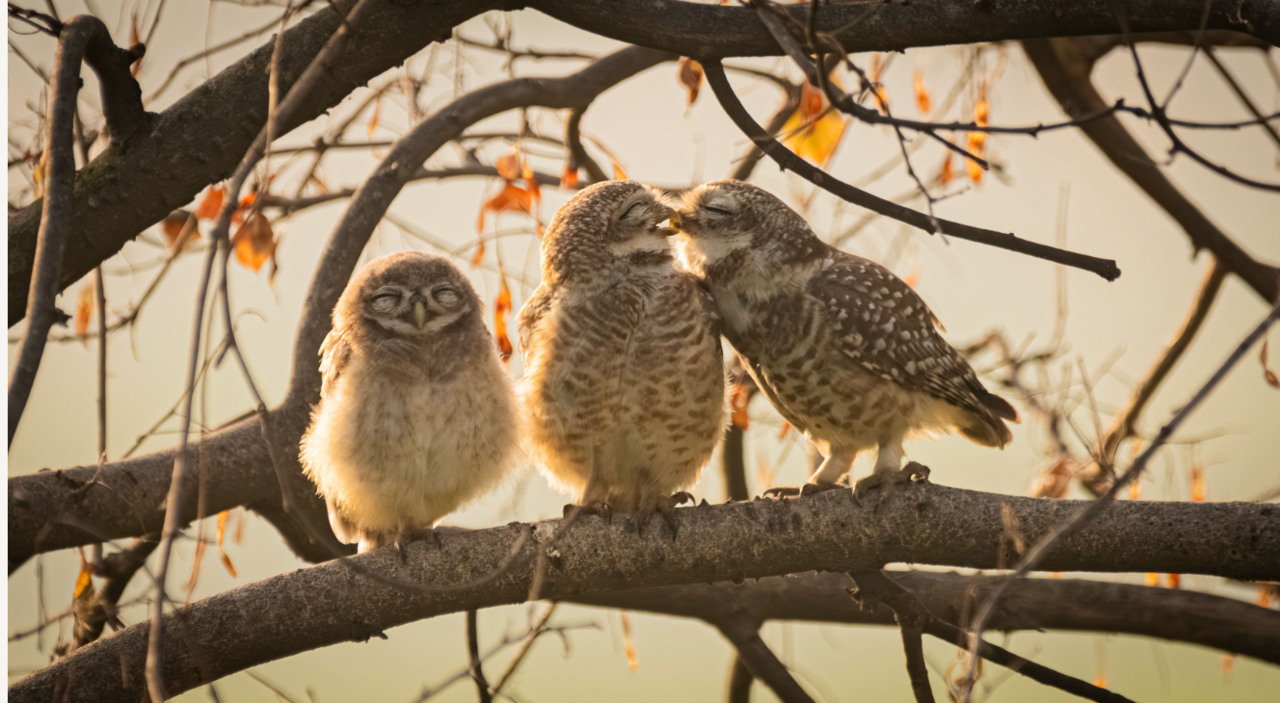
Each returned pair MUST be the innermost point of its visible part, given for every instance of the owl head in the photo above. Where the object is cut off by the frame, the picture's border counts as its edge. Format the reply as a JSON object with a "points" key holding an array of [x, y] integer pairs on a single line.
{"points": [[410, 296], [728, 222], [605, 226]]}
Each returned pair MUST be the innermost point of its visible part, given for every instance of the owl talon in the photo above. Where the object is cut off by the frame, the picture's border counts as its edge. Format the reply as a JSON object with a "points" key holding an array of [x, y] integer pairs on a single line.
{"points": [[673, 522], [780, 492], [602, 509], [913, 472], [416, 534], [682, 497]]}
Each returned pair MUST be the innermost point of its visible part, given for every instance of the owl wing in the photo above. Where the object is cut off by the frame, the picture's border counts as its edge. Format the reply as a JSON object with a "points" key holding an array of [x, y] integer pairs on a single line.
{"points": [[335, 352], [534, 309], [878, 321]]}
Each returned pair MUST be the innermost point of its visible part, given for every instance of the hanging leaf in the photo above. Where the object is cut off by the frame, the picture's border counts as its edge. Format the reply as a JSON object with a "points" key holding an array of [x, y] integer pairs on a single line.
{"points": [[813, 132], [978, 140], [1175, 580], [223, 517], [84, 307], [512, 198], [1135, 490], [82, 601], [373, 118], [619, 173], [238, 537], [569, 179], [1055, 480], [171, 228], [211, 204], [689, 73], [1152, 579], [629, 643], [509, 165], [254, 242], [501, 307], [786, 430], [1197, 484], [246, 204], [924, 102], [531, 184], [1267, 373], [1266, 594], [1228, 667], [478, 256], [738, 403], [913, 277], [947, 173]]}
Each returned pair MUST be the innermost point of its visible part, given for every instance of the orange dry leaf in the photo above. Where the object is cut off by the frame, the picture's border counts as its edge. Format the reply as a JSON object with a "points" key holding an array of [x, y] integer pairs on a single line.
{"points": [[1055, 480], [477, 257], [923, 102], [1100, 680], [501, 307], [254, 242], [812, 132], [913, 277], [738, 403], [1175, 580], [531, 183], [1135, 490], [210, 204], [630, 645], [84, 307], [1272, 379], [509, 164], [171, 227], [978, 140], [245, 204], [1055, 574], [223, 517], [569, 179], [84, 580], [1265, 595], [373, 118], [1153, 579], [1197, 484], [786, 430], [690, 76], [512, 198], [619, 173], [1228, 666], [948, 172]]}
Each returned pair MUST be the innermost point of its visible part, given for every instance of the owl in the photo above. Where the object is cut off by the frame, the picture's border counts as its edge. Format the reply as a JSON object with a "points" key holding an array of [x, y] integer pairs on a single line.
{"points": [[624, 386], [846, 351], [417, 413]]}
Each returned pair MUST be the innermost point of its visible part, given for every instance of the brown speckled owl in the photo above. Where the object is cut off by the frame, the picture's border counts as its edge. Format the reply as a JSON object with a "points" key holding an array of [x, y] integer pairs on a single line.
{"points": [[624, 380], [845, 350], [416, 414]]}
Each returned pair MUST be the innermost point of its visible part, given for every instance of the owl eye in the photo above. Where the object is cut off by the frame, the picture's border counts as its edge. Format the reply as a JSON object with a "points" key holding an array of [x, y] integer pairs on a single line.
{"points": [[447, 297], [386, 302], [717, 210], [628, 211]]}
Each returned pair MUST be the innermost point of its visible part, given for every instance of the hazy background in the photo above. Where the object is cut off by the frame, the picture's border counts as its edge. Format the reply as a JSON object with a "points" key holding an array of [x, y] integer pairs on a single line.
{"points": [[1116, 329]]}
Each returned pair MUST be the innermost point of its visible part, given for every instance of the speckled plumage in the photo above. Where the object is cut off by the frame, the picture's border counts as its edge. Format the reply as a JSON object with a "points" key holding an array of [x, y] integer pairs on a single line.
{"points": [[624, 369], [845, 350], [416, 413]]}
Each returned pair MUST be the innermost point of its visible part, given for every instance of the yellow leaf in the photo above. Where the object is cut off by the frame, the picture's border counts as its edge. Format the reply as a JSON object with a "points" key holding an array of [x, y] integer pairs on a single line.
{"points": [[1197, 484], [84, 307], [501, 307], [210, 204], [84, 581], [923, 101], [978, 140], [1152, 579], [689, 73], [478, 256], [816, 141], [223, 517], [619, 174], [254, 242], [632, 662]]}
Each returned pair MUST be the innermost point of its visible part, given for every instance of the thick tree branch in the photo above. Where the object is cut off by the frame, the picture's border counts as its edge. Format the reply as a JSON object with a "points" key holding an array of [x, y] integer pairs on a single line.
{"points": [[166, 165], [919, 524], [755, 655], [1065, 66], [790, 161]]}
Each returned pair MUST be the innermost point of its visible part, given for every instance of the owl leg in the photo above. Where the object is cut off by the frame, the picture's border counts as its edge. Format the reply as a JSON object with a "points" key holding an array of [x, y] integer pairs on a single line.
{"points": [[370, 540], [416, 534], [827, 477], [595, 497], [887, 473]]}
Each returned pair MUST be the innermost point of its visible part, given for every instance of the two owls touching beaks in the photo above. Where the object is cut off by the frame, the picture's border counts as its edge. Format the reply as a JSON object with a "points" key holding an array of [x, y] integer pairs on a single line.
{"points": [[623, 398]]}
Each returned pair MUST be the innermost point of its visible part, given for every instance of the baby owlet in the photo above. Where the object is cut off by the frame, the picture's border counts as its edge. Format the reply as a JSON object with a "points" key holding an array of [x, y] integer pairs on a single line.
{"points": [[624, 377], [843, 349], [416, 414]]}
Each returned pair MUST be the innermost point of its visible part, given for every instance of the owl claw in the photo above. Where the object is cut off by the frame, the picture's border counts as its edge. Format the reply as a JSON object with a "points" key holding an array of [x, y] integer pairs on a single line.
{"points": [[682, 497], [913, 472], [807, 489], [416, 534], [602, 509]]}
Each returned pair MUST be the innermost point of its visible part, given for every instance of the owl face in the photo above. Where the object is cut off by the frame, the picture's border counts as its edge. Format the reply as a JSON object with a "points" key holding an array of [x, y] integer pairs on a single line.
{"points": [[606, 222], [728, 219], [410, 295]]}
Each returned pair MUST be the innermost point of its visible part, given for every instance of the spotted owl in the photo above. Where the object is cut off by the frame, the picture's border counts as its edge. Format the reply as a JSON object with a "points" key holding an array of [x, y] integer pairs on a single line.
{"points": [[417, 413], [846, 351], [624, 385]]}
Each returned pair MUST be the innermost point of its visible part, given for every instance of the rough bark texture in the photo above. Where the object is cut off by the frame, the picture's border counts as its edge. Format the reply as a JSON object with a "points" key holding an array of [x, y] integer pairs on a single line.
{"points": [[925, 524]]}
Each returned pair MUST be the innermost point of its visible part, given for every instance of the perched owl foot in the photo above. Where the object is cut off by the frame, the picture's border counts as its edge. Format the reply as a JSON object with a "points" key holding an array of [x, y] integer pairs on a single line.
{"points": [[603, 509], [666, 507], [416, 534], [913, 472], [807, 489]]}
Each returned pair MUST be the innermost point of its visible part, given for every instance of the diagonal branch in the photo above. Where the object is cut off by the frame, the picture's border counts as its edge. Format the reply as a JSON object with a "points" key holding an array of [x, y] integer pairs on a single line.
{"points": [[755, 655], [790, 161]]}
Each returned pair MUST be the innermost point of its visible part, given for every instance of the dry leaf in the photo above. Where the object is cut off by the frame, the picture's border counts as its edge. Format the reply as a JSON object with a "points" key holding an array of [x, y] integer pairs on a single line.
{"points": [[739, 405], [786, 430], [238, 537], [501, 307], [913, 277], [816, 140], [1175, 580], [1268, 374], [569, 179], [1265, 595], [134, 40], [1152, 579], [512, 198], [223, 517], [211, 204], [690, 76], [84, 307], [947, 173], [509, 165], [1197, 484], [477, 257], [246, 203], [619, 173], [1228, 666], [632, 662], [1135, 490], [254, 242], [924, 102], [531, 184], [171, 226], [1055, 480], [978, 140]]}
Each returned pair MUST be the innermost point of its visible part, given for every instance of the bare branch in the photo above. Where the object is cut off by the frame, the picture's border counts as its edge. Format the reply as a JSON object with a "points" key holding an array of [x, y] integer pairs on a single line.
{"points": [[744, 634]]}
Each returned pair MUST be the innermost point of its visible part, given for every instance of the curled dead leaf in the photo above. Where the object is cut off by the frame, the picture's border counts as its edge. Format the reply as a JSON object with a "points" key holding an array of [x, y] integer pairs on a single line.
{"points": [[569, 179], [512, 198], [254, 242], [738, 404], [501, 308], [84, 307], [689, 73], [924, 102], [509, 165]]}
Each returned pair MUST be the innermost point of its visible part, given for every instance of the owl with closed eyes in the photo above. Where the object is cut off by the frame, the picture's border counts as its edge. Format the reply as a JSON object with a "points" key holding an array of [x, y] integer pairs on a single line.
{"points": [[624, 385], [417, 412], [845, 350]]}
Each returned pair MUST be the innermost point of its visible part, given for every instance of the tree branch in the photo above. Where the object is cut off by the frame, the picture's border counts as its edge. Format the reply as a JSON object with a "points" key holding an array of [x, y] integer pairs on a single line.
{"points": [[918, 524], [763, 664], [790, 161]]}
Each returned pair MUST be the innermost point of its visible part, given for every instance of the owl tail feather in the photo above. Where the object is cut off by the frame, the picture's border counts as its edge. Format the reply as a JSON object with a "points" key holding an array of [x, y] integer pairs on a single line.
{"points": [[986, 429], [999, 406]]}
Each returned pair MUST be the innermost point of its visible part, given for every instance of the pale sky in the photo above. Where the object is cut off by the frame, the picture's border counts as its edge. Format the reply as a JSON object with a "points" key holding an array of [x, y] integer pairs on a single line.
{"points": [[1116, 330]]}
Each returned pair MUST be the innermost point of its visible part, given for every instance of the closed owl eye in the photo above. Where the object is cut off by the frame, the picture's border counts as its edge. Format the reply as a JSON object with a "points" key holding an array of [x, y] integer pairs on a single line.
{"points": [[717, 210], [385, 301], [447, 297], [629, 210]]}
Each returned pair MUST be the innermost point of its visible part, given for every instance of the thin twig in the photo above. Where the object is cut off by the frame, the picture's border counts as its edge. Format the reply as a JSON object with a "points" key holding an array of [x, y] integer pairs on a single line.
{"points": [[536, 631], [475, 664]]}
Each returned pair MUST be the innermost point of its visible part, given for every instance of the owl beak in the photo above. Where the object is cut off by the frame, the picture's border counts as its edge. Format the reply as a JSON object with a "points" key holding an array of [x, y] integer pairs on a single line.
{"points": [[420, 314]]}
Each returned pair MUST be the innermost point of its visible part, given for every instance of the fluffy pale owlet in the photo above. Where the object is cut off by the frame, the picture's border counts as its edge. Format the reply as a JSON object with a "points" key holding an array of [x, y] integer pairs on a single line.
{"points": [[624, 380], [845, 350], [416, 414]]}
